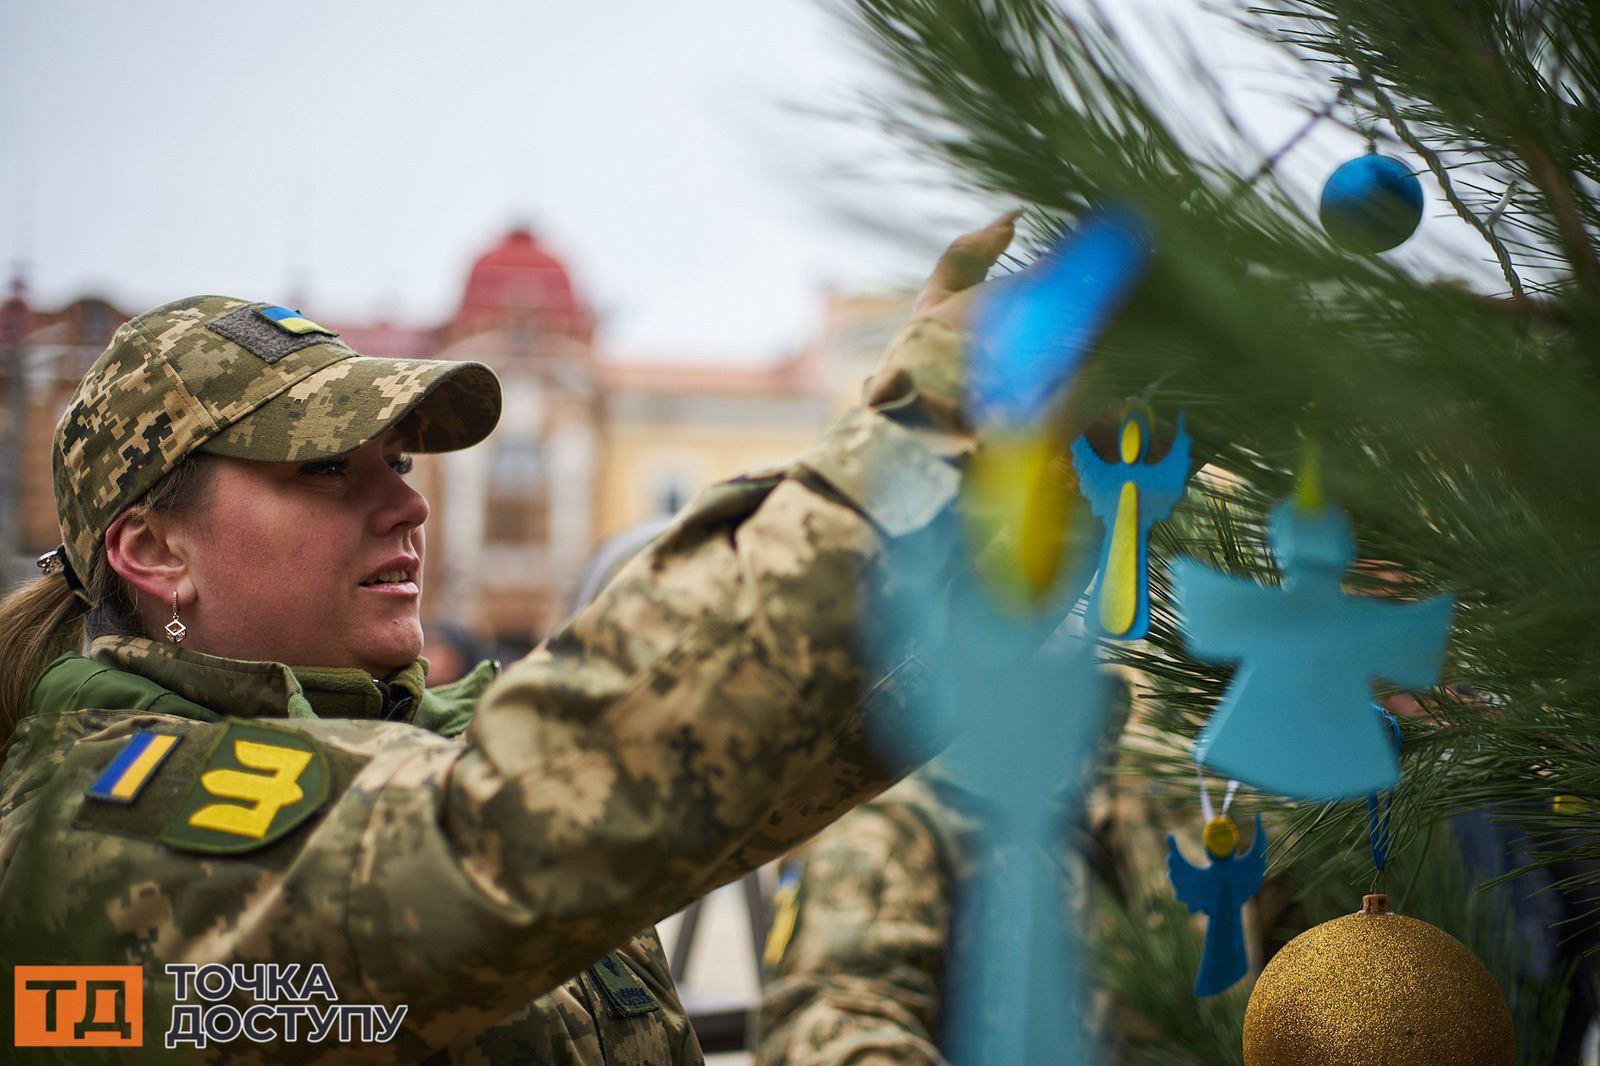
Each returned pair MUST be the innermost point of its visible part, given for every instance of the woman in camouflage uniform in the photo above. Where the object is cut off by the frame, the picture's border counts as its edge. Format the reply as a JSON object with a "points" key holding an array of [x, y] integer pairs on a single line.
{"points": [[234, 759]]}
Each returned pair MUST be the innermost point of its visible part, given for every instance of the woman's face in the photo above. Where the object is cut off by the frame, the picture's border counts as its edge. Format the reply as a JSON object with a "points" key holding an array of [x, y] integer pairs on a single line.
{"points": [[309, 564]]}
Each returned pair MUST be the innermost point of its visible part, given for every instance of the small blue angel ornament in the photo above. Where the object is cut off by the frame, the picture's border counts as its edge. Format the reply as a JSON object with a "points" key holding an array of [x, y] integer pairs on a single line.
{"points": [[1220, 891], [1297, 717], [1129, 495]]}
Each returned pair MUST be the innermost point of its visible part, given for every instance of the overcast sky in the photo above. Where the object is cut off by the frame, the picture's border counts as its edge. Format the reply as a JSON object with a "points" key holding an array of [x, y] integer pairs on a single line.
{"points": [[359, 154], [362, 153]]}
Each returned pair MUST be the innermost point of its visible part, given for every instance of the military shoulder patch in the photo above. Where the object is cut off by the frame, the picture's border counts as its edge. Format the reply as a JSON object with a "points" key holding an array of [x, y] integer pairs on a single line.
{"points": [[625, 994], [785, 913], [133, 766], [255, 329], [257, 784]]}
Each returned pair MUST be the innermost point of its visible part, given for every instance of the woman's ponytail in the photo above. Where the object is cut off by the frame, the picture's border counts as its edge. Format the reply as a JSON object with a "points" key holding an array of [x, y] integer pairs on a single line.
{"points": [[48, 616], [38, 622]]}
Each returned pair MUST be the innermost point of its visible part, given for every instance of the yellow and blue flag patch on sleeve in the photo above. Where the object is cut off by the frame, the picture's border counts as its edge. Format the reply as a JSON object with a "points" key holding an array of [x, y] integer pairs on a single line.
{"points": [[134, 765], [293, 321], [785, 913]]}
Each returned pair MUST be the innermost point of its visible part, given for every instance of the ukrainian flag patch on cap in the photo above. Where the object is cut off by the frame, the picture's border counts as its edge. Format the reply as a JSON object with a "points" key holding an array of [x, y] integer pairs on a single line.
{"points": [[135, 764], [293, 321]]}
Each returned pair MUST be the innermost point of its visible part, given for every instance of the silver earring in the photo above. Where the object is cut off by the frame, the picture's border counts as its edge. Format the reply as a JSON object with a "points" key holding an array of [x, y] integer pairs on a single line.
{"points": [[176, 630]]}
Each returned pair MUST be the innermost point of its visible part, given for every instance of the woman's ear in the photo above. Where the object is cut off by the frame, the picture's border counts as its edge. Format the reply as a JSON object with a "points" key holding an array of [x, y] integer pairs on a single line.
{"points": [[141, 552]]}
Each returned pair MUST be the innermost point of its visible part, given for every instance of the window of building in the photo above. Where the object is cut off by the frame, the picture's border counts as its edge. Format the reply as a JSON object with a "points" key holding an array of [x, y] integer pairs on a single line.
{"points": [[517, 510], [511, 519]]}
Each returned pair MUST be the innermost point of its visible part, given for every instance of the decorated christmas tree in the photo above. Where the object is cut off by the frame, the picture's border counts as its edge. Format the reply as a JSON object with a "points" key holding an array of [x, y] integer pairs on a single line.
{"points": [[1412, 339]]}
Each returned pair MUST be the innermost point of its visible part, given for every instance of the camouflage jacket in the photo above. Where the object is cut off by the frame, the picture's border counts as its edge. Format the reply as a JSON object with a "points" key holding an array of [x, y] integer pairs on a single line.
{"points": [[138, 674], [702, 716]]}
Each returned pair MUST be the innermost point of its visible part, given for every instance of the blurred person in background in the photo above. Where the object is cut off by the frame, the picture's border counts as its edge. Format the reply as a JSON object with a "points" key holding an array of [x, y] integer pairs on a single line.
{"points": [[220, 742], [872, 918], [450, 652], [856, 959]]}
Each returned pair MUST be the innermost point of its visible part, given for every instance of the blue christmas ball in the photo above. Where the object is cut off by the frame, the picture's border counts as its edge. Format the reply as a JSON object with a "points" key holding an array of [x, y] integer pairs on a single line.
{"points": [[1371, 204]]}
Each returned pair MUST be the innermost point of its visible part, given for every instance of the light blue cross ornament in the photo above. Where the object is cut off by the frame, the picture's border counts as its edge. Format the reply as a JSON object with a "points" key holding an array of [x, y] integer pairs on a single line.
{"points": [[1026, 706], [1297, 717], [1129, 495]]}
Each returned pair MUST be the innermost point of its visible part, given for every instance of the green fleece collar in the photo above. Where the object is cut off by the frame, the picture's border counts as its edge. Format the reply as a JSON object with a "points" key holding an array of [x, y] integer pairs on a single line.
{"points": [[248, 689]]}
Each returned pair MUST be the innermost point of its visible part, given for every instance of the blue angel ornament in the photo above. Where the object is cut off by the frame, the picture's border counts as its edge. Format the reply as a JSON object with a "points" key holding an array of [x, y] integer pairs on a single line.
{"points": [[1297, 717], [1129, 496], [1026, 705], [1220, 891], [1022, 698]]}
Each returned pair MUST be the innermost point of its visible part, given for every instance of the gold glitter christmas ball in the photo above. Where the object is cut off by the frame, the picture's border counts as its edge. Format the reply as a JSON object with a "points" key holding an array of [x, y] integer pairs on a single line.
{"points": [[1377, 989]]}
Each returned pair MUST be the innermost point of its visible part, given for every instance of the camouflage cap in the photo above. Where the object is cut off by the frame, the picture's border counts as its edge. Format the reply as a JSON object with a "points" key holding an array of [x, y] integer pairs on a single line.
{"points": [[250, 380]]}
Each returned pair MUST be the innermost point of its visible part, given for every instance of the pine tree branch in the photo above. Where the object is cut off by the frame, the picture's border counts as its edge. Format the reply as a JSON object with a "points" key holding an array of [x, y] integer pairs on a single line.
{"points": [[1459, 427], [1312, 121], [1553, 182], [1441, 174]]}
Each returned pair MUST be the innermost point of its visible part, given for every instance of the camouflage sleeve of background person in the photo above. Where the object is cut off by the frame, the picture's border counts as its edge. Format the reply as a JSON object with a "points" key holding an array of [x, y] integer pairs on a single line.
{"points": [[857, 952], [701, 716]]}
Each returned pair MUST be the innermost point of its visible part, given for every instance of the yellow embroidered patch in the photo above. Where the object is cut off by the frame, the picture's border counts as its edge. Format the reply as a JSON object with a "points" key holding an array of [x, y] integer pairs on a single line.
{"points": [[258, 783]]}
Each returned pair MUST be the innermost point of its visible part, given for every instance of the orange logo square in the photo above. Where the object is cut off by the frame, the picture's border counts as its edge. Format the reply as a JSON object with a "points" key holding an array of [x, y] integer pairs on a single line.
{"points": [[79, 1006]]}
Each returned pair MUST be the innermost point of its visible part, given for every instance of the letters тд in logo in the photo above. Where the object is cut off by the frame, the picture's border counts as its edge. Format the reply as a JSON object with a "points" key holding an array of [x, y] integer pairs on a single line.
{"points": [[78, 1006]]}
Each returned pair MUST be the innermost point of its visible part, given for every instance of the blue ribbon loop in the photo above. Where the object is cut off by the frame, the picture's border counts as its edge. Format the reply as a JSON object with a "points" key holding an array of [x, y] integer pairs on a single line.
{"points": [[1378, 817]]}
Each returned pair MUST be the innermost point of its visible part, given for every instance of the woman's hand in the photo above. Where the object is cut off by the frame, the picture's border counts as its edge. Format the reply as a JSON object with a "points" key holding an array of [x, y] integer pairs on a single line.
{"points": [[926, 360], [956, 277]]}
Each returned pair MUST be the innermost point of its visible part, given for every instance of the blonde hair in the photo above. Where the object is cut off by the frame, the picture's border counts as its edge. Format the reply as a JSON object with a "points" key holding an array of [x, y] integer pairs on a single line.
{"points": [[38, 622], [44, 618]]}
